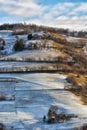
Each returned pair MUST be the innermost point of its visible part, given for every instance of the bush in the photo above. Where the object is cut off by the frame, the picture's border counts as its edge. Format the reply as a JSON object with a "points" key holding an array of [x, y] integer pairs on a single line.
{"points": [[30, 36], [2, 126], [2, 98], [19, 45], [2, 44], [71, 79]]}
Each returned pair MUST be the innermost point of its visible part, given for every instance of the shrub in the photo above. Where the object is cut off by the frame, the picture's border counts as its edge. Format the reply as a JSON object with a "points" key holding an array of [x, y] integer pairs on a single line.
{"points": [[71, 79], [2, 98], [2, 126], [30, 36], [19, 45], [2, 44]]}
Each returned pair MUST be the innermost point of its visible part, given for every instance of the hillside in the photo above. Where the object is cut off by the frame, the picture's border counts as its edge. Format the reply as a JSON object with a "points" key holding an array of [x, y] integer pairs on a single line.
{"points": [[39, 69]]}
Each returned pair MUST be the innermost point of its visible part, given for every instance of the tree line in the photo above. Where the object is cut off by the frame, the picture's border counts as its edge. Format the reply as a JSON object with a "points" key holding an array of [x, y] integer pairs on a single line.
{"points": [[34, 27]]}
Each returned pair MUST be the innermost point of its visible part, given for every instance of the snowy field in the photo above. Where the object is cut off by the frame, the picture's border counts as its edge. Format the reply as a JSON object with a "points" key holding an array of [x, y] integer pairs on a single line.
{"points": [[33, 55], [28, 97], [26, 66], [34, 94], [74, 39]]}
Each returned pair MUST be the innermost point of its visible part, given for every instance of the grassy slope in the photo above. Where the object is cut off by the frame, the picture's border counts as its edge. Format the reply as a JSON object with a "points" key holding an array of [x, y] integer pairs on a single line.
{"points": [[78, 68], [64, 51]]}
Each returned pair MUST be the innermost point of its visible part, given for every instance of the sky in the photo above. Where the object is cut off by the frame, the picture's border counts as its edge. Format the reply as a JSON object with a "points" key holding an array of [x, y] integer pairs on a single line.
{"points": [[70, 14]]}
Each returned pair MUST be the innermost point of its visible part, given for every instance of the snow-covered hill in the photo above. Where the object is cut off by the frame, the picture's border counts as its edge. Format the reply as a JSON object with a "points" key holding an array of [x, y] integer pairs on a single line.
{"points": [[26, 97]]}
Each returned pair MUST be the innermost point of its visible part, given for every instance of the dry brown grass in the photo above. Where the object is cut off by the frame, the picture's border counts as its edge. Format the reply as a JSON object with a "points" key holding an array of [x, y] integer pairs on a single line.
{"points": [[59, 47], [79, 81], [57, 35], [82, 40], [78, 78], [72, 79], [84, 99], [76, 71]]}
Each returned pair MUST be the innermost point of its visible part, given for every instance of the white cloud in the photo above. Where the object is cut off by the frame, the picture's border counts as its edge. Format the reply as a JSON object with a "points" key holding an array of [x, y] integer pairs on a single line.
{"points": [[67, 15], [81, 8], [21, 8]]}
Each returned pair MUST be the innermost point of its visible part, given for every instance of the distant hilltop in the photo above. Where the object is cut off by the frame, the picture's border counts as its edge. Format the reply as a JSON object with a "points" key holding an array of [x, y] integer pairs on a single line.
{"points": [[33, 27]]}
